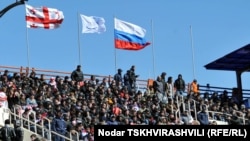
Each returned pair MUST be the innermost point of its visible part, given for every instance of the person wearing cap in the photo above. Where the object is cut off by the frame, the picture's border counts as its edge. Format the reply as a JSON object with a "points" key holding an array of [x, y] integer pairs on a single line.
{"points": [[77, 74], [118, 78]]}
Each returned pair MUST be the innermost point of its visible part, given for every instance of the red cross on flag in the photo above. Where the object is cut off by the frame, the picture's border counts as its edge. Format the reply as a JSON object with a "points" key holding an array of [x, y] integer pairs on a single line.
{"points": [[43, 17]]}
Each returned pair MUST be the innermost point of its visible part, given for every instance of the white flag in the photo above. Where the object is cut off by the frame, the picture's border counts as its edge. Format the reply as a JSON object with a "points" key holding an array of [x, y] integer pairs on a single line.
{"points": [[93, 24]]}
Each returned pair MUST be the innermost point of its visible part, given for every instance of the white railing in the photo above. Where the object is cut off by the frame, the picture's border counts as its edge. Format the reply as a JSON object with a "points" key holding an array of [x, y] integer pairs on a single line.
{"points": [[219, 113], [189, 107], [242, 116], [194, 102], [44, 129]]}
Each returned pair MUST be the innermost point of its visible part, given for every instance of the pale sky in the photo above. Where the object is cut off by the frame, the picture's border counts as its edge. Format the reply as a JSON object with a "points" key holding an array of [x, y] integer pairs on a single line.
{"points": [[218, 28]]}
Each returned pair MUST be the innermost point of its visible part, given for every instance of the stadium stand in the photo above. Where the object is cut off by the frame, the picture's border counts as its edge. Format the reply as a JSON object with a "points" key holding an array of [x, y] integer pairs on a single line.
{"points": [[35, 96]]}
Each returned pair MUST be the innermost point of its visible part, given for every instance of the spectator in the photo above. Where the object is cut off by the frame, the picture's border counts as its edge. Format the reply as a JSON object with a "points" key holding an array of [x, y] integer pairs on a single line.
{"points": [[163, 80], [118, 77], [187, 118], [194, 89], [179, 85], [7, 132], [92, 81], [31, 101], [72, 133], [59, 126], [90, 106], [66, 80], [53, 83], [158, 85], [77, 75], [132, 77], [105, 83], [170, 87], [12, 98], [202, 116], [234, 120], [42, 79], [33, 137], [5, 75], [112, 121], [126, 80], [18, 131], [22, 101]]}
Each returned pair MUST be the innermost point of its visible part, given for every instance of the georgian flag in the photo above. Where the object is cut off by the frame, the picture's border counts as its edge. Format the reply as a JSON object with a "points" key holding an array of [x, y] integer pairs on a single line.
{"points": [[43, 17]]}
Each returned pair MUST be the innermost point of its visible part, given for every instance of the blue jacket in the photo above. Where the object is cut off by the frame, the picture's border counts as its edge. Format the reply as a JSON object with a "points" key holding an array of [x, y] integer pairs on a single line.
{"points": [[203, 118], [58, 125]]}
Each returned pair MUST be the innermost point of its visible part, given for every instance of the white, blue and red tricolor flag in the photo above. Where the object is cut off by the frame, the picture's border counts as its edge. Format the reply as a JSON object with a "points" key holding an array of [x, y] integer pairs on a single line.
{"points": [[129, 36]]}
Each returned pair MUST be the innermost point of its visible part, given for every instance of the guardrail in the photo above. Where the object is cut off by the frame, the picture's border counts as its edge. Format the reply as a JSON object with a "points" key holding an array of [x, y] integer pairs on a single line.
{"points": [[141, 84]]}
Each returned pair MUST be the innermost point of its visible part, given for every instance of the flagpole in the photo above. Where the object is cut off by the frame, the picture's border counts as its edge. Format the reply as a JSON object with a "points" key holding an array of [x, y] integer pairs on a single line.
{"points": [[115, 60], [115, 47], [192, 46], [153, 49], [79, 44], [27, 44]]}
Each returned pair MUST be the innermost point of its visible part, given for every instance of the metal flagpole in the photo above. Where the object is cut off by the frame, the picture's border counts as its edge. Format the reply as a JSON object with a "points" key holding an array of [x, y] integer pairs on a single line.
{"points": [[79, 44], [115, 60], [114, 46], [192, 51], [27, 43], [153, 48]]}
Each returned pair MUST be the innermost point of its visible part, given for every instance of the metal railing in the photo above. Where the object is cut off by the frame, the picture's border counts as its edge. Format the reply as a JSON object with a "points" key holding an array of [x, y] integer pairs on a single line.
{"points": [[189, 107], [141, 84], [35, 126]]}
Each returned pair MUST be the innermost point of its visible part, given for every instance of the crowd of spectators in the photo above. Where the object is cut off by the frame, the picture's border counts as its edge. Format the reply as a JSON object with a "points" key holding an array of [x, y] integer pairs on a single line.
{"points": [[74, 104]]}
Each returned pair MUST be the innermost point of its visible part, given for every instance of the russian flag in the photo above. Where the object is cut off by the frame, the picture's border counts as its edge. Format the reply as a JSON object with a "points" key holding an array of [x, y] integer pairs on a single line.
{"points": [[129, 36]]}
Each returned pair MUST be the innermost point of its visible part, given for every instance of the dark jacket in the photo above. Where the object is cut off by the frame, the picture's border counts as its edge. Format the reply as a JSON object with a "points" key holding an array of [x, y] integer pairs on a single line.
{"points": [[179, 84], [77, 75], [7, 133], [19, 133]]}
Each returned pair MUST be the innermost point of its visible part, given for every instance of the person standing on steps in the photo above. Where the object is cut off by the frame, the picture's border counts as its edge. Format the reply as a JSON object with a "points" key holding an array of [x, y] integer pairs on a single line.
{"points": [[179, 85], [77, 75]]}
